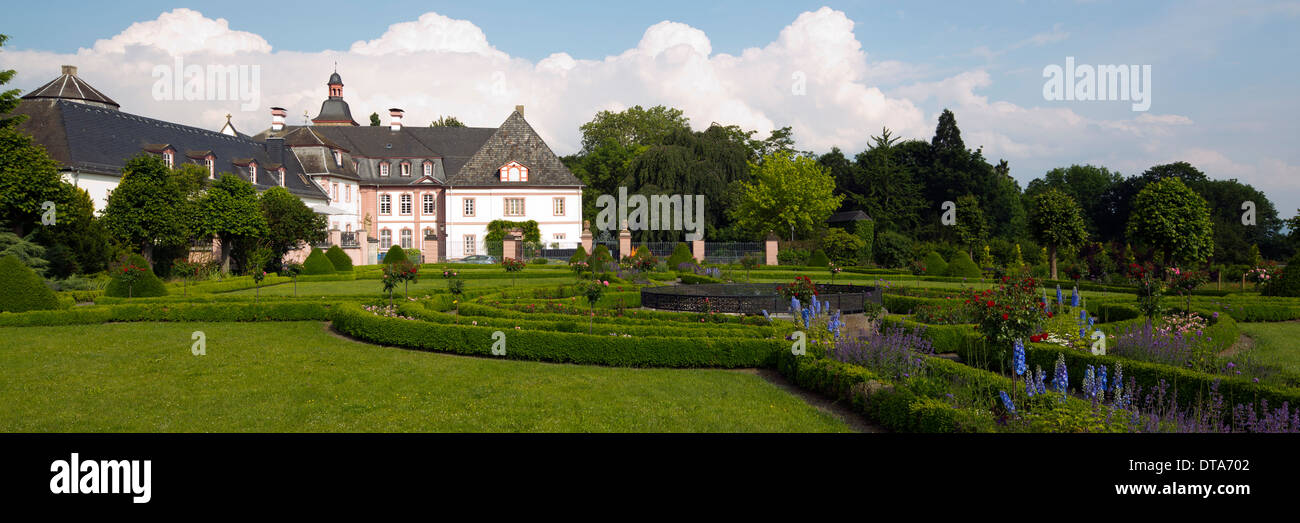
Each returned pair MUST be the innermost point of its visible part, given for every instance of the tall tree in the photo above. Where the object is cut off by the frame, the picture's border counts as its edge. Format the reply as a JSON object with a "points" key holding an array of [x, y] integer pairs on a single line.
{"points": [[8, 98], [446, 121], [374, 120], [884, 185], [289, 222], [28, 179], [972, 226], [634, 126], [151, 207], [229, 210], [77, 230], [1088, 185], [787, 193], [1169, 216], [1056, 221]]}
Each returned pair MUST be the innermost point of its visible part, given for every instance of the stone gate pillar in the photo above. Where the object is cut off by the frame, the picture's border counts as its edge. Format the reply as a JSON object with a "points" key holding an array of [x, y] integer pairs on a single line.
{"points": [[586, 236], [770, 249]]}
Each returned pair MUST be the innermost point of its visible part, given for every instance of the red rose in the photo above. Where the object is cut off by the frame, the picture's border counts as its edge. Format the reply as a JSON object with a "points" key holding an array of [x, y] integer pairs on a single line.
{"points": [[1049, 314], [1004, 316]]}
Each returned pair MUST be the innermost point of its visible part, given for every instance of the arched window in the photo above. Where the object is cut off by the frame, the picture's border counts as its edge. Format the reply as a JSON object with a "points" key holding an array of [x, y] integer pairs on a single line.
{"points": [[385, 238], [406, 238], [385, 204], [428, 204], [406, 204]]}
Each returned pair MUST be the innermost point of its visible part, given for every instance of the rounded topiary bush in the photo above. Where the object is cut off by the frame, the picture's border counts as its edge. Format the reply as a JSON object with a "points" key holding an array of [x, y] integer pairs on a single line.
{"points": [[600, 260], [681, 254], [395, 254], [21, 289], [1287, 283], [579, 255], [340, 259], [818, 259], [963, 267], [935, 264], [317, 263], [146, 285]]}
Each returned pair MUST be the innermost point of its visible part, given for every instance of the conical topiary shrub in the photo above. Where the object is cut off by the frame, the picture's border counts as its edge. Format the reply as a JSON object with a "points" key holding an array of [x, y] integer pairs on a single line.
{"points": [[317, 263], [963, 267], [21, 289], [935, 264], [340, 259], [579, 255], [818, 259], [601, 260], [681, 254], [395, 254], [146, 284]]}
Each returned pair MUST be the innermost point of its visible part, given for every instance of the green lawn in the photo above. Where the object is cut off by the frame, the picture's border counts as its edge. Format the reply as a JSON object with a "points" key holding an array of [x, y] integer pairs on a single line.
{"points": [[376, 287], [295, 376], [1276, 347]]}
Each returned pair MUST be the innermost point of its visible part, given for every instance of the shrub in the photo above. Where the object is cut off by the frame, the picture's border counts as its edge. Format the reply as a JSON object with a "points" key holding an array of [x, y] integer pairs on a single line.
{"points": [[866, 231], [841, 247], [21, 289], [395, 254], [317, 263], [892, 249], [145, 285], [964, 267], [340, 259], [539, 261], [792, 256], [601, 260], [681, 254], [935, 264], [579, 255], [1288, 283], [818, 259]]}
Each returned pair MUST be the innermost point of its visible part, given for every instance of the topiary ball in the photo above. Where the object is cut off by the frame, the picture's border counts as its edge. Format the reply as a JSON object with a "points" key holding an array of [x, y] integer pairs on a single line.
{"points": [[148, 285], [818, 259], [395, 254], [964, 267], [317, 263], [21, 289]]}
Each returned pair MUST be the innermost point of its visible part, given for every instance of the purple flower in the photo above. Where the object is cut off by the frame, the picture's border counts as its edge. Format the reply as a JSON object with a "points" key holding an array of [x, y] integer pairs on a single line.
{"points": [[1006, 402]]}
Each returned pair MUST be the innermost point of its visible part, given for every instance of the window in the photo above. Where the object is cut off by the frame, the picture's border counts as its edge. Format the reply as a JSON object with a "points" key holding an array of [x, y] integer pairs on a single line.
{"points": [[338, 158], [514, 206], [557, 236], [428, 204], [406, 204], [347, 190], [383, 168], [406, 169], [212, 167], [428, 233], [168, 159], [428, 168], [385, 204], [514, 172], [470, 244], [281, 175], [252, 169], [469, 207], [558, 204], [355, 165], [385, 238], [406, 238], [336, 191]]}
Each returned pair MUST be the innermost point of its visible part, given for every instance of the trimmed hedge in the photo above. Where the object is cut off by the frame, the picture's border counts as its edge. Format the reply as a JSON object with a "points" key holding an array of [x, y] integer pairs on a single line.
{"points": [[21, 289], [222, 312], [146, 286], [818, 259], [317, 263], [935, 264], [432, 313], [692, 279], [340, 259], [557, 347], [395, 254], [962, 266]]}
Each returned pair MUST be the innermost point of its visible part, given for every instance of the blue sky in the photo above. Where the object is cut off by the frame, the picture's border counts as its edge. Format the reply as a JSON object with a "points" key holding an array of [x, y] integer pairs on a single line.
{"points": [[1223, 75]]}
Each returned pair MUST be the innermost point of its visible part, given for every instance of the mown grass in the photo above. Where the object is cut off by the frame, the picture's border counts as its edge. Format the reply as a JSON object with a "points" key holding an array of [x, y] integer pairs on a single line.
{"points": [[376, 287], [1276, 348], [295, 376]]}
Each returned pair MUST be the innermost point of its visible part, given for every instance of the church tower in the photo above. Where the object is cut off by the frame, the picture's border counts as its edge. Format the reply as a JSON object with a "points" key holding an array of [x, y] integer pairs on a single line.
{"points": [[334, 111]]}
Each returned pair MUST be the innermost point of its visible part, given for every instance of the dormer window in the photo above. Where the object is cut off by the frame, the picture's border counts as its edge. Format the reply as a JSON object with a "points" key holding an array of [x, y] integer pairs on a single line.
{"points": [[355, 165], [406, 169], [428, 168], [514, 172], [252, 170], [338, 158], [212, 166], [281, 174], [169, 159], [383, 168]]}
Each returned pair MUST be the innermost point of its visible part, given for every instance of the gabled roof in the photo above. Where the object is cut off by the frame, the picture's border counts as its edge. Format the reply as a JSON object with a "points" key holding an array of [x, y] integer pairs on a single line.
{"points": [[515, 141], [97, 140]]}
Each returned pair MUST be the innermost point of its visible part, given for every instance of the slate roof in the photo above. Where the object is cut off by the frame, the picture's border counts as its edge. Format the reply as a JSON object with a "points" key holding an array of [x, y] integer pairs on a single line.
{"points": [[515, 141], [69, 87], [848, 216], [98, 140]]}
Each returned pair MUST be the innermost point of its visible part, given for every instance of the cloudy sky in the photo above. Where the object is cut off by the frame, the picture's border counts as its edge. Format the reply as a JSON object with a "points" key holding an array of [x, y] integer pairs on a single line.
{"points": [[1222, 85]]}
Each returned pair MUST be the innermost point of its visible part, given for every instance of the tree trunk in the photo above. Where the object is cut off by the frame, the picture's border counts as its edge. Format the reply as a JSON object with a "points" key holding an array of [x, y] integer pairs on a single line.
{"points": [[1051, 254], [225, 255], [146, 251]]}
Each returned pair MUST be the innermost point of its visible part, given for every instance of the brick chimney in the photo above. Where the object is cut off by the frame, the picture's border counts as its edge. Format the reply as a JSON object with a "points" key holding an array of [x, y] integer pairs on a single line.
{"points": [[397, 118], [519, 109], [277, 118], [70, 70]]}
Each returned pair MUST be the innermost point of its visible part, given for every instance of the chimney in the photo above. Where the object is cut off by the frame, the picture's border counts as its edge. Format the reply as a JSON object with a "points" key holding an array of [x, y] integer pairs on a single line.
{"points": [[275, 149], [70, 70], [519, 109], [277, 118], [397, 118]]}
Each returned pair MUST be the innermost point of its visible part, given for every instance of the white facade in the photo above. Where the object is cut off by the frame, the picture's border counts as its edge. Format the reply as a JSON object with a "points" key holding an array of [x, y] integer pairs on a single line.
{"points": [[344, 195], [98, 185], [557, 211]]}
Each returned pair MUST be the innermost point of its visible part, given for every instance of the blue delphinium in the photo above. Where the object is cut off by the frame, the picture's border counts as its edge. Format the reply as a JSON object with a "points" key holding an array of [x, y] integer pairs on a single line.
{"points": [[1101, 380], [1006, 402], [1060, 299], [1061, 378], [1019, 356], [807, 317], [1031, 387], [1040, 379], [1074, 297], [1083, 316], [1117, 387], [1090, 382], [767, 316], [814, 304], [794, 305]]}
